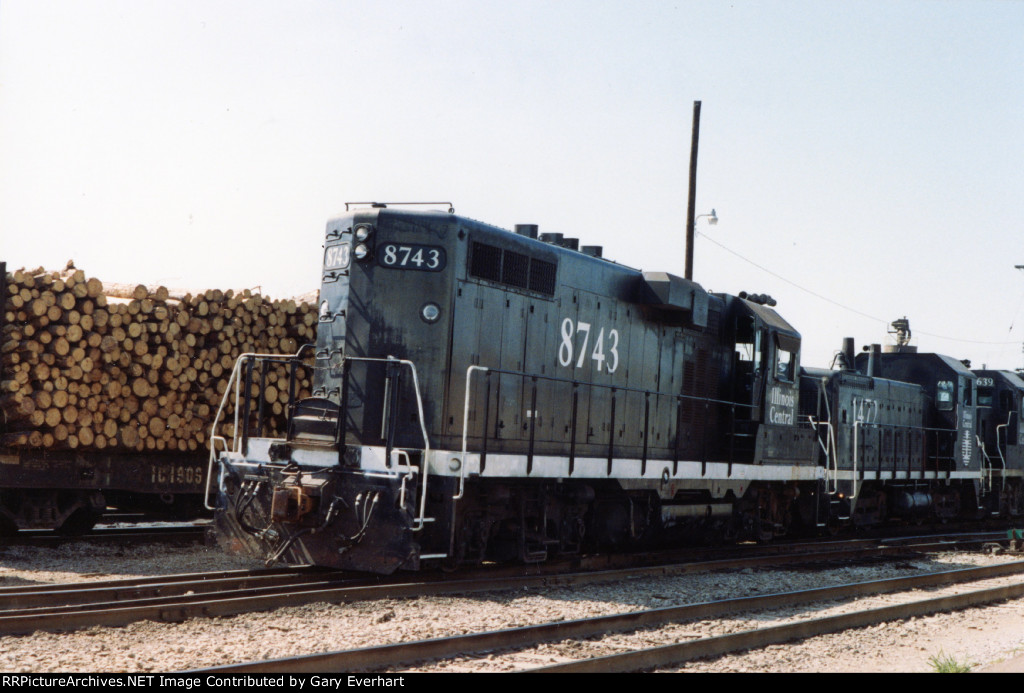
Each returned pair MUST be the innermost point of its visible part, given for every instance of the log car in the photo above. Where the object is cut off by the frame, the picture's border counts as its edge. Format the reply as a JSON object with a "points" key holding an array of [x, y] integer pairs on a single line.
{"points": [[46, 483]]}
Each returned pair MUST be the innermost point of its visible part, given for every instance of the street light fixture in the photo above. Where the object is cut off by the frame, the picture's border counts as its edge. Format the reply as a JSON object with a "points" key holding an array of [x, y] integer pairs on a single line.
{"points": [[712, 220]]}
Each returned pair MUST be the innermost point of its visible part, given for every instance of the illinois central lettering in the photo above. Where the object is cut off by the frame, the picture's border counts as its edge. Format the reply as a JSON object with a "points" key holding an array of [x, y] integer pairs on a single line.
{"points": [[965, 446], [781, 407]]}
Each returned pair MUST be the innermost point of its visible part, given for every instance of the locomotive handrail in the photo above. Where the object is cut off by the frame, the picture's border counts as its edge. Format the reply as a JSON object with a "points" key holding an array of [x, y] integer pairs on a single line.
{"points": [[987, 468], [1000, 445], [419, 522], [925, 430], [209, 470], [834, 457], [828, 447], [236, 440], [383, 205], [465, 431], [575, 383], [856, 456], [1000, 430], [237, 381], [833, 441]]}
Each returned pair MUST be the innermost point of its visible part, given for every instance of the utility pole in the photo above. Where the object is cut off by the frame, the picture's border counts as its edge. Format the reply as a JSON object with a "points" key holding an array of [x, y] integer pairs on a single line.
{"points": [[1020, 371], [691, 207]]}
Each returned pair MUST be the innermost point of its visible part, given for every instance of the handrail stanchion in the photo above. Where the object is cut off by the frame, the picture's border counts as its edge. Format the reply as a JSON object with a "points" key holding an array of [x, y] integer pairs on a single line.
{"points": [[465, 430], [732, 433], [533, 426], [611, 435], [394, 377], [487, 418], [293, 368], [261, 407], [573, 420], [704, 440], [679, 437], [856, 457], [647, 422], [247, 406]]}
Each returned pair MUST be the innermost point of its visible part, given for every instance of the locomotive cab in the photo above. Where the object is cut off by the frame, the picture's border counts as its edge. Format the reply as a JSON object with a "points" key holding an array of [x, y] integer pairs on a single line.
{"points": [[765, 386], [1001, 435], [1000, 416]]}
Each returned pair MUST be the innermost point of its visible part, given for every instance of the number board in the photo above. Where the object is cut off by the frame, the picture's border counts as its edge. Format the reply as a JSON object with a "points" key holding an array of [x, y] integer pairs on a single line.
{"points": [[337, 256], [411, 256]]}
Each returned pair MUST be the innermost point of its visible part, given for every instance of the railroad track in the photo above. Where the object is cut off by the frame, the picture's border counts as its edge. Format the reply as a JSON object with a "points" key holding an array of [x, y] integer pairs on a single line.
{"points": [[66, 607], [165, 534], [422, 653]]}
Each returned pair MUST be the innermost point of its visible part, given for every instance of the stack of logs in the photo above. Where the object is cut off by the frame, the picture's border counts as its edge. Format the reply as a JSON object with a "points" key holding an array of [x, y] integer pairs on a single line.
{"points": [[134, 367]]}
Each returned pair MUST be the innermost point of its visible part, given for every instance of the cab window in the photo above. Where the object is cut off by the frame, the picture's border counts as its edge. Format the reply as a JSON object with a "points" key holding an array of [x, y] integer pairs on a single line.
{"points": [[944, 395], [784, 364], [749, 353]]}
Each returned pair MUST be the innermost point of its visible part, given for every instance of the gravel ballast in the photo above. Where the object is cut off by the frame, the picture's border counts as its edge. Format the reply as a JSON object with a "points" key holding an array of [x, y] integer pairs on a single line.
{"points": [[976, 637]]}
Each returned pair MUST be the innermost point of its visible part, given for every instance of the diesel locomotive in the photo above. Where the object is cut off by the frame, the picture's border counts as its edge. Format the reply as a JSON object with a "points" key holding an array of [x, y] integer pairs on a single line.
{"points": [[488, 395]]}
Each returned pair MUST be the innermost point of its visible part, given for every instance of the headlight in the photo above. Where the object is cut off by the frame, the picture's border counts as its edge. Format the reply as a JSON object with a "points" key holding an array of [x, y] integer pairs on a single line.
{"points": [[430, 312], [363, 232], [361, 251]]}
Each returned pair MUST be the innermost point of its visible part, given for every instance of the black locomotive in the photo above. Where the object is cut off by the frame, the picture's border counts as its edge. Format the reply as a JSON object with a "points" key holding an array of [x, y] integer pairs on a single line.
{"points": [[487, 395]]}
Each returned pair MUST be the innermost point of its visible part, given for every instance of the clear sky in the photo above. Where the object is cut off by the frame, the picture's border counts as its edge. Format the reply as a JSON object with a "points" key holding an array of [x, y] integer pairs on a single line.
{"points": [[864, 158]]}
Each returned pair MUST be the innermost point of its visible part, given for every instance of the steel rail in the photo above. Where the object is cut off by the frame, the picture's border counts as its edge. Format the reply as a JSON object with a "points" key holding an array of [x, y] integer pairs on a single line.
{"points": [[228, 584], [667, 655], [103, 592], [605, 562], [46, 537], [258, 596], [178, 607], [390, 656], [87, 596], [232, 601], [155, 579], [173, 609]]}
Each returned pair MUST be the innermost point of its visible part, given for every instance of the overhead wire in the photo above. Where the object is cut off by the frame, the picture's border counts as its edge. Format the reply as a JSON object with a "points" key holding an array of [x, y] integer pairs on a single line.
{"points": [[840, 305]]}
